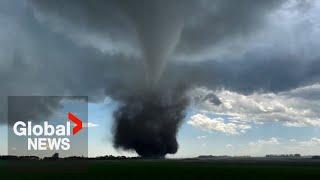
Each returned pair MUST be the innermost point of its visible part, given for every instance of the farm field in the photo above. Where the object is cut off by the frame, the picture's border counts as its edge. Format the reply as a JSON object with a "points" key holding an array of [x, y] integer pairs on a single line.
{"points": [[159, 169]]}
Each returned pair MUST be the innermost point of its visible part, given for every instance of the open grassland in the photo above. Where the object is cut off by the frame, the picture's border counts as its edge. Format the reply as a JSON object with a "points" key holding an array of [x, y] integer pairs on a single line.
{"points": [[159, 169]]}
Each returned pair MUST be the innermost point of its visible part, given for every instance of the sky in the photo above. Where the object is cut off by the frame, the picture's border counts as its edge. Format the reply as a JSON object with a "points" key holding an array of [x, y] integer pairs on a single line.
{"points": [[251, 69]]}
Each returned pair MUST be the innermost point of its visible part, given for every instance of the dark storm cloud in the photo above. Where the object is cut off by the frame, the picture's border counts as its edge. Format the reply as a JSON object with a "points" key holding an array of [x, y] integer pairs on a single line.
{"points": [[216, 21], [37, 61], [205, 22], [191, 26], [105, 48], [46, 62], [141, 23], [31, 108], [35, 108], [3, 109], [276, 73]]}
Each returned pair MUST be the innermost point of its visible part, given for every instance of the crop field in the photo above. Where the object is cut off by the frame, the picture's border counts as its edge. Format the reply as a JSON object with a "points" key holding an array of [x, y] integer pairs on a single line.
{"points": [[158, 169]]}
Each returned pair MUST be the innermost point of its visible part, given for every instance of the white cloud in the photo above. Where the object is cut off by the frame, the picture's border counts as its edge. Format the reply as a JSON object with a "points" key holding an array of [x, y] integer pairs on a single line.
{"points": [[262, 142], [217, 124], [201, 137], [295, 108], [309, 146], [90, 125], [293, 140], [312, 142], [262, 147], [229, 146]]}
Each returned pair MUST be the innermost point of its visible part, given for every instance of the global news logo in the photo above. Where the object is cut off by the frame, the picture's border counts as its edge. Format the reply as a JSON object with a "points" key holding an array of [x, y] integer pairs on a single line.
{"points": [[48, 136]]}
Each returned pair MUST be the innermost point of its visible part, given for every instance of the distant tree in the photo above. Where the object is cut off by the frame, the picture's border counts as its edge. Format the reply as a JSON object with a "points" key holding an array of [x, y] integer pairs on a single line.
{"points": [[55, 156]]}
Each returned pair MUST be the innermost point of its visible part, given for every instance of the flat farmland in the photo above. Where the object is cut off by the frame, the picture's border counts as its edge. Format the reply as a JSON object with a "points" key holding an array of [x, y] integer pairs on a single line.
{"points": [[161, 169]]}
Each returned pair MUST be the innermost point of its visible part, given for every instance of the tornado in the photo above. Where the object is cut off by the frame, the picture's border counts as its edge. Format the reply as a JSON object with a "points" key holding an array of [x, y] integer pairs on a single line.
{"points": [[148, 119], [151, 106], [148, 123], [158, 25]]}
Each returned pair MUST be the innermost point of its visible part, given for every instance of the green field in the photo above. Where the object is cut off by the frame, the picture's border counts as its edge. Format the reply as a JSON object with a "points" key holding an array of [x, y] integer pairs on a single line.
{"points": [[157, 169]]}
